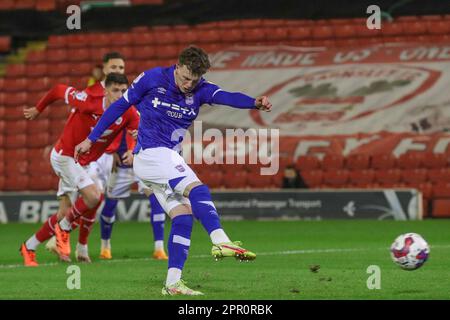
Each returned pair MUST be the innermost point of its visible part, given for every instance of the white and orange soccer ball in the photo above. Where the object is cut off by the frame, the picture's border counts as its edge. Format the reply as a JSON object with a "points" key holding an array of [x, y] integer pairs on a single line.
{"points": [[410, 251]]}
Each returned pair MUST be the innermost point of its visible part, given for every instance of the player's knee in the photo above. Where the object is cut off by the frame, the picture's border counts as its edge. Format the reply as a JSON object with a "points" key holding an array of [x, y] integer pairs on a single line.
{"points": [[199, 191], [180, 210], [93, 198]]}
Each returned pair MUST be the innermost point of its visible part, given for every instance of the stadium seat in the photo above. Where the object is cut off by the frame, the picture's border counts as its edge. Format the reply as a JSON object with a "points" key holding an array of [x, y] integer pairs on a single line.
{"points": [[57, 55], [16, 167], [80, 69], [97, 40], [37, 70], [273, 23], [439, 175], [14, 85], [15, 70], [410, 160], [383, 161], [37, 126], [336, 178], [34, 97], [414, 28], [441, 208], [13, 112], [414, 176], [392, 29], [387, 177], [17, 126], [39, 166], [186, 37], [58, 70], [77, 41], [277, 34], [167, 51], [165, 37], [15, 155], [39, 84], [441, 190], [16, 182], [232, 35], [144, 38], [362, 177], [41, 183], [438, 27], [253, 35], [313, 178], [79, 55], [299, 33], [357, 161], [2, 122], [144, 52], [214, 179], [56, 42], [208, 36], [260, 182], [2, 178], [7, 5], [344, 31], [45, 5], [15, 141], [435, 160], [426, 188], [332, 161], [38, 140], [15, 99], [36, 57], [250, 23], [236, 180], [304, 163], [322, 32], [24, 4]]}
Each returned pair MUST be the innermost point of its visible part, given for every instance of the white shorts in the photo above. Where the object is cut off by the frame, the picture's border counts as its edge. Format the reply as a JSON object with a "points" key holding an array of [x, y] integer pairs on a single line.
{"points": [[157, 168], [100, 170], [120, 182], [72, 176]]}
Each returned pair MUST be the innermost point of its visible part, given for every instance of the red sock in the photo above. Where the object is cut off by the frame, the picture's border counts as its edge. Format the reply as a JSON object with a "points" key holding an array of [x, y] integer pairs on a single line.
{"points": [[77, 210], [48, 229], [76, 223], [87, 221]]}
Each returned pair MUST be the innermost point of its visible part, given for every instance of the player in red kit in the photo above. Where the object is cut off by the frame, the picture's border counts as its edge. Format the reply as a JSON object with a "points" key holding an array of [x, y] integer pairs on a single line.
{"points": [[73, 176]]}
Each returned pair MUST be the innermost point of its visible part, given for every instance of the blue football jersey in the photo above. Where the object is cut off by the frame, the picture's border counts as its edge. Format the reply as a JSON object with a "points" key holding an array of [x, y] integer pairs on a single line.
{"points": [[166, 113]]}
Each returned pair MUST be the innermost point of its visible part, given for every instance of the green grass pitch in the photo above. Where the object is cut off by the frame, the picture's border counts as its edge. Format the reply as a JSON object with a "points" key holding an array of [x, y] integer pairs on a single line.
{"points": [[286, 250]]}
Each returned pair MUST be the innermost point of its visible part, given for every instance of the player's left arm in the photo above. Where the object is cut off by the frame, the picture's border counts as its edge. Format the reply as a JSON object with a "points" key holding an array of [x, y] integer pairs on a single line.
{"points": [[215, 95]]}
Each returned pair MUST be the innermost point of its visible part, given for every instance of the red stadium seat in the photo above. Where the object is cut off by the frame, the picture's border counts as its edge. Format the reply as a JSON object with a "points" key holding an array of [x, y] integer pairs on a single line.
{"points": [[260, 182], [57, 55], [37, 70], [208, 36], [435, 160], [80, 69], [38, 166], [231, 35], [36, 57], [336, 178], [165, 37], [414, 176], [344, 31], [41, 183], [273, 23], [383, 161], [2, 178], [304, 163], [438, 27], [392, 29], [426, 188], [439, 175], [38, 140], [25, 4], [14, 112], [16, 182], [15, 99], [34, 97], [410, 160], [186, 37], [57, 41], [144, 38], [15, 155], [251, 23], [332, 161], [99, 40], [277, 34], [236, 180], [441, 208], [313, 178], [167, 51], [2, 122], [214, 179], [15, 141], [144, 52], [58, 70], [387, 177], [16, 166], [45, 5], [15, 85], [323, 32], [15, 70], [441, 190], [228, 24], [17, 126], [359, 177], [7, 5], [357, 161], [79, 55], [254, 35], [414, 28], [37, 126], [40, 84]]}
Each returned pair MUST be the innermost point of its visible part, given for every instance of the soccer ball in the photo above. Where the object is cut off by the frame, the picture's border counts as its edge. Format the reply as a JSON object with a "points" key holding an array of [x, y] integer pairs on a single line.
{"points": [[410, 251]]}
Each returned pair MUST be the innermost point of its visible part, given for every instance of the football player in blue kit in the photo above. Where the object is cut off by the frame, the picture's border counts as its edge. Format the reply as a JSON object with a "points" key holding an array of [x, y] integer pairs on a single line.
{"points": [[169, 100]]}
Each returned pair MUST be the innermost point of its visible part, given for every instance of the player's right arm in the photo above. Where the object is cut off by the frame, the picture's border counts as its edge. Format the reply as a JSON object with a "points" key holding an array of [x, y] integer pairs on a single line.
{"points": [[58, 92], [133, 96]]}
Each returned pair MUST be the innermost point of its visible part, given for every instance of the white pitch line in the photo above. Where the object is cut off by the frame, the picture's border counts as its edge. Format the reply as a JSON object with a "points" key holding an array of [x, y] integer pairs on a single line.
{"points": [[274, 253]]}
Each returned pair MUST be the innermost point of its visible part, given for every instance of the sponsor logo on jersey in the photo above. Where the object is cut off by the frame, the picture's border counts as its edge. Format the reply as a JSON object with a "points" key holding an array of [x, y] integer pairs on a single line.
{"points": [[119, 121], [189, 99], [80, 95], [180, 168], [161, 90]]}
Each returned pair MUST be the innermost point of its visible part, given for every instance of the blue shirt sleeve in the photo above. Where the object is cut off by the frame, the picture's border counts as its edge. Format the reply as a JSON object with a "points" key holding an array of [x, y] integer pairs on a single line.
{"points": [[132, 96], [213, 94], [109, 116]]}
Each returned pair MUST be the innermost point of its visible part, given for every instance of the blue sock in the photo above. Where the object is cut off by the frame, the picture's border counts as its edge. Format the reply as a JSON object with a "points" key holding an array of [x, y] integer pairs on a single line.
{"points": [[157, 218], [180, 240], [108, 217], [203, 208]]}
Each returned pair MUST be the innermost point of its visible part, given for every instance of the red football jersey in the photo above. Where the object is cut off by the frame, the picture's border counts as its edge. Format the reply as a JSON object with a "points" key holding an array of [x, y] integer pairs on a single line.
{"points": [[96, 90], [84, 116]]}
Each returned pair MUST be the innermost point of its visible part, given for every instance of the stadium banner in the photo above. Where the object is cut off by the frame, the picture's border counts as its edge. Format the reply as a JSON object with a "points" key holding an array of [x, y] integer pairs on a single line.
{"points": [[320, 91], [404, 204]]}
